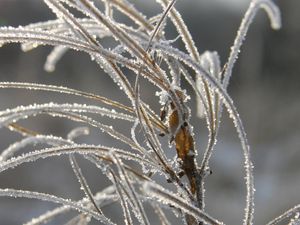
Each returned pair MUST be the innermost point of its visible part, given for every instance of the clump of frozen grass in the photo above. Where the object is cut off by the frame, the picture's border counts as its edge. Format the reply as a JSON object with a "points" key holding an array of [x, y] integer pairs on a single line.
{"points": [[135, 50]]}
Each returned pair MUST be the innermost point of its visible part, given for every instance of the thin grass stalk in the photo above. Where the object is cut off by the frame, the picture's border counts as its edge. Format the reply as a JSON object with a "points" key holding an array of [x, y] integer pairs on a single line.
{"points": [[51, 198], [103, 198], [100, 151], [118, 33], [161, 215], [133, 13], [125, 208], [235, 117], [59, 89], [79, 118], [190, 46], [83, 182], [274, 16], [285, 215], [142, 216], [161, 195], [152, 140]]}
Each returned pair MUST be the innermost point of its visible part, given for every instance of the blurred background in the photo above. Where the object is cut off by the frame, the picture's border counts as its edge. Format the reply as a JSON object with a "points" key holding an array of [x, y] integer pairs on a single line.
{"points": [[265, 87]]}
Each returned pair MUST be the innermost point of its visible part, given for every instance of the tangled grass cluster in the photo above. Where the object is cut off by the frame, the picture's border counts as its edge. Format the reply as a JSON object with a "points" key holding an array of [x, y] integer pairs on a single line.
{"points": [[137, 171]]}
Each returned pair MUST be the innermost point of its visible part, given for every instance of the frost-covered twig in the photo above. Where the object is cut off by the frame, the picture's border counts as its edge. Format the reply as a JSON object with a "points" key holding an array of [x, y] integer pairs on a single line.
{"points": [[285, 215]]}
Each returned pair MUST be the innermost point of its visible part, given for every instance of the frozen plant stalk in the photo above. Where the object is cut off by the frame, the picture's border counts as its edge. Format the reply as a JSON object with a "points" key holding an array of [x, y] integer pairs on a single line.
{"points": [[134, 171]]}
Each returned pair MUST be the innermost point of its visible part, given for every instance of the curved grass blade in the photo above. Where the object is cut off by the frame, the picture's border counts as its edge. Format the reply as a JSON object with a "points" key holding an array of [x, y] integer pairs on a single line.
{"points": [[51, 198]]}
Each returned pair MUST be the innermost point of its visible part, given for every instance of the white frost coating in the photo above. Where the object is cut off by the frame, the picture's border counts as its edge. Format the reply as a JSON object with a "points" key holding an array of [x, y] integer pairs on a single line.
{"points": [[106, 196], [61, 90], [285, 215], [83, 183], [122, 196], [79, 149], [295, 220], [88, 8], [108, 9], [117, 76], [48, 216], [165, 197], [22, 35], [132, 131], [21, 112], [274, 16], [77, 132], [130, 11], [182, 30], [55, 55], [61, 27], [80, 219], [211, 63], [272, 11], [132, 195], [161, 214], [233, 114], [51, 198], [51, 140], [63, 14], [58, 25]]}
